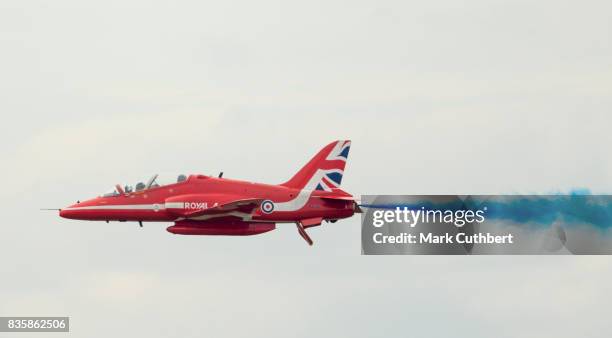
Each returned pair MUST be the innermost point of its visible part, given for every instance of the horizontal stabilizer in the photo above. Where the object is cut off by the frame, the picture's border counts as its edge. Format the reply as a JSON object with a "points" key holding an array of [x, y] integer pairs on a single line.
{"points": [[337, 198]]}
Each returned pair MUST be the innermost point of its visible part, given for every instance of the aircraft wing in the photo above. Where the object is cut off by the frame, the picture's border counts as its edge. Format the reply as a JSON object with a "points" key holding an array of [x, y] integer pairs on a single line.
{"points": [[243, 205], [336, 195]]}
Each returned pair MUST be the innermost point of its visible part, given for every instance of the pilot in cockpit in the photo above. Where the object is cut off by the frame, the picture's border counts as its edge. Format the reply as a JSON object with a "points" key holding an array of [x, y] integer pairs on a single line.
{"points": [[154, 182]]}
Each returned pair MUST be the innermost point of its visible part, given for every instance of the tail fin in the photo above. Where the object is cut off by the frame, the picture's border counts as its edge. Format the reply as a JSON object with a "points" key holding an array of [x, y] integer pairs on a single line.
{"points": [[324, 171]]}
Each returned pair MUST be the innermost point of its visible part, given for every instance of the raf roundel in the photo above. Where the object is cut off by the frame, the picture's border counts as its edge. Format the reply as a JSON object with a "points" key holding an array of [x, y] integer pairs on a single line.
{"points": [[267, 206]]}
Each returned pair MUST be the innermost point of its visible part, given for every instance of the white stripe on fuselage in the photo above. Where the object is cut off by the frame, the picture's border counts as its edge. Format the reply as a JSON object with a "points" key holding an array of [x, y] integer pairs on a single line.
{"points": [[304, 195], [121, 207], [158, 206]]}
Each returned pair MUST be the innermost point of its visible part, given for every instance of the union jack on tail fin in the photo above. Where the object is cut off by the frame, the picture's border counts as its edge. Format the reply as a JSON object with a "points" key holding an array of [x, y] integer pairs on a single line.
{"points": [[325, 170]]}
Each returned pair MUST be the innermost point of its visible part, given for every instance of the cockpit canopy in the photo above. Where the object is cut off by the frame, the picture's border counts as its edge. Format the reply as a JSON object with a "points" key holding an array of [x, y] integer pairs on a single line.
{"points": [[155, 181]]}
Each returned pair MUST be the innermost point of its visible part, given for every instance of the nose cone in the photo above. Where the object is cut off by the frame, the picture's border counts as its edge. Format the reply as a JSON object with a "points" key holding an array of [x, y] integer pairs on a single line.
{"points": [[70, 212], [78, 210], [64, 213]]}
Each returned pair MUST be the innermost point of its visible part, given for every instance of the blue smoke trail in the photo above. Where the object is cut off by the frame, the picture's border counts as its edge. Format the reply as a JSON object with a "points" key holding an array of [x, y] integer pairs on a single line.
{"points": [[578, 207]]}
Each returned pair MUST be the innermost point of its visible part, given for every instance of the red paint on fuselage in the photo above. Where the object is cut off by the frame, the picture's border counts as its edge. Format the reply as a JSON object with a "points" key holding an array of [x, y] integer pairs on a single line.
{"points": [[150, 205]]}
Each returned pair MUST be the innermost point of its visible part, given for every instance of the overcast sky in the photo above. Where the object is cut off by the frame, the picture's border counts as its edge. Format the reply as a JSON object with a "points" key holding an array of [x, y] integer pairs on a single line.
{"points": [[438, 97]]}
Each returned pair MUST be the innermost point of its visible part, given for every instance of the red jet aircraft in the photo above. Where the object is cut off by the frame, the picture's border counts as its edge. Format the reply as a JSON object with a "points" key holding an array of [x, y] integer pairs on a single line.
{"points": [[205, 205]]}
